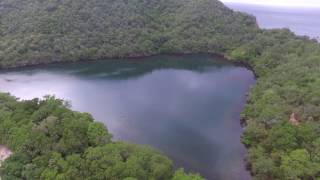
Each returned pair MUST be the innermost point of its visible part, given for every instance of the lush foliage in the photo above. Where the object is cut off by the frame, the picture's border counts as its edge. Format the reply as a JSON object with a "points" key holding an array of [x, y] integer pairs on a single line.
{"points": [[287, 66], [38, 31], [288, 70], [50, 141]]}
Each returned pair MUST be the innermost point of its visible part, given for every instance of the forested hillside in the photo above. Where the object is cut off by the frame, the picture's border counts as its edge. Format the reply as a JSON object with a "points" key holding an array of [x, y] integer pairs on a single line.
{"points": [[37, 31], [50, 141], [283, 109]]}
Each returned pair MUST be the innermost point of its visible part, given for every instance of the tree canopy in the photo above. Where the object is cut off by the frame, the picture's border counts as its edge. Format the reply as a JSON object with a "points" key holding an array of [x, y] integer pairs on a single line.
{"points": [[288, 85], [49, 141], [38, 31]]}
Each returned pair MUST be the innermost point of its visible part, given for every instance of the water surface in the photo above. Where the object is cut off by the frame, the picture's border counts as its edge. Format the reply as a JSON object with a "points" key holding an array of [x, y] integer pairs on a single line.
{"points": [[301, 20], [186, 106]]}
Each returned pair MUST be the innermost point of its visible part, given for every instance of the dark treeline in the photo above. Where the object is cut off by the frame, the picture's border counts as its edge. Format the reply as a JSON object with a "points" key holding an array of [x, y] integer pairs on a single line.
{"points": [[283, 109]]}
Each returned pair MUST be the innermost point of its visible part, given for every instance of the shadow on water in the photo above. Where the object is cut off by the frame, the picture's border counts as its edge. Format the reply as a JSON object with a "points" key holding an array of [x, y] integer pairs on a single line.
{"points": [[129, 68]]}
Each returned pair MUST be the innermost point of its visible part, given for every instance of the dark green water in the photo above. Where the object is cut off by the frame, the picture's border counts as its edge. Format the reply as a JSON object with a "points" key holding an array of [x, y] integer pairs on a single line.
{"points": [[186, 106]]}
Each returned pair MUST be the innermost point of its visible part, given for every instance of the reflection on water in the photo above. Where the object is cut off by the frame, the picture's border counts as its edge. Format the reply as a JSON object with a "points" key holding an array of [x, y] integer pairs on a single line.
{"points": [[186, 106]]}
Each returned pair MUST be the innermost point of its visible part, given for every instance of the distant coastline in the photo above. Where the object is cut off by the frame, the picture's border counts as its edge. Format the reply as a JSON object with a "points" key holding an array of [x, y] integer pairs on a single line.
{"points": [[303, 21]]}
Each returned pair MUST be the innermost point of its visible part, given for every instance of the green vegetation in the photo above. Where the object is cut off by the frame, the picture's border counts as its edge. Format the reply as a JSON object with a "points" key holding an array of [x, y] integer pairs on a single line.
{"points": [[288, 70], [38, 31], [52, 142]]}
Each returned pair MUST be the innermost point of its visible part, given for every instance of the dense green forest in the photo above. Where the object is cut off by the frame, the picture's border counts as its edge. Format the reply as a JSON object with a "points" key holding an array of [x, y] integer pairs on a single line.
{"points": [[287, 67], [52, 142], [288, 70], [38, 31]]}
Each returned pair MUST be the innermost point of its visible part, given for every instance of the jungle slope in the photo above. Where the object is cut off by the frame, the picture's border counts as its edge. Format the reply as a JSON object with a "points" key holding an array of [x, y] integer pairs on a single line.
{"points": [[37, 31], [288, 66], [283, 109]]}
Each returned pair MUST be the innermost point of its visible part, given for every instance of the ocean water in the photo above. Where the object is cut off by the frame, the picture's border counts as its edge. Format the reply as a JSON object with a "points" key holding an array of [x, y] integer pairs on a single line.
{"points": [[302, 21]]}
